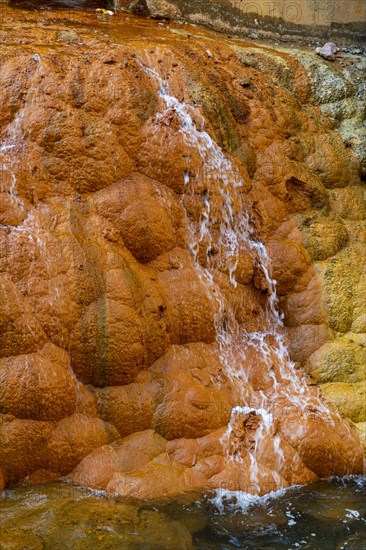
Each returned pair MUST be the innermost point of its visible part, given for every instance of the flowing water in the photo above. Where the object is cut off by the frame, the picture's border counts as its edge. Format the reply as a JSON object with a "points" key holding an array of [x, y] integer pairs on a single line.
{"points": [[224, 231], [326, 515]]}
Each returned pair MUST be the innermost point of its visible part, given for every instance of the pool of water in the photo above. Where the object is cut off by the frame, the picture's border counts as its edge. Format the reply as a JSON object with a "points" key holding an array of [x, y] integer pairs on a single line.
{"points": [[325, 515]]}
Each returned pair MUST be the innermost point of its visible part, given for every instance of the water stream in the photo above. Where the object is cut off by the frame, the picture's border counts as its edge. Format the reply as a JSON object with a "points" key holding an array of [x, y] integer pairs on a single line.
{"points": [[225, 227]]}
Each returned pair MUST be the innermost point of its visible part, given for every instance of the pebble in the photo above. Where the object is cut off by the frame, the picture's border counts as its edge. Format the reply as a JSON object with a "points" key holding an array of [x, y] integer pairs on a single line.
{"points": [[361, 66], [245, 83], [328, 51], [68, 36]]}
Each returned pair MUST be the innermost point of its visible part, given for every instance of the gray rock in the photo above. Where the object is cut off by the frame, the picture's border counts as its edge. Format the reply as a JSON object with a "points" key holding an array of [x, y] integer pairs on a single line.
{"points": [[158, 9], [361, 65], [328, 51]]}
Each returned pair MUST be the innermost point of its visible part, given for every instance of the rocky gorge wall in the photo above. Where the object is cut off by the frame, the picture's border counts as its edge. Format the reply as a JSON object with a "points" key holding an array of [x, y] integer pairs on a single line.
{"points": [[110, 370], [341, 21], [336, 20]]}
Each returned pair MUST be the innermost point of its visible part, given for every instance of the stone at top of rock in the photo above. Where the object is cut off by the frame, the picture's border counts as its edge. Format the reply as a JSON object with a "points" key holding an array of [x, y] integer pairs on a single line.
{"points": [[328, 51]]}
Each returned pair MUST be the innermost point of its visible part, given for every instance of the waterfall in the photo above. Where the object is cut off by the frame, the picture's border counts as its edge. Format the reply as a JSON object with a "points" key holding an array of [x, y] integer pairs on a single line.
{"points": [[225, 227]]}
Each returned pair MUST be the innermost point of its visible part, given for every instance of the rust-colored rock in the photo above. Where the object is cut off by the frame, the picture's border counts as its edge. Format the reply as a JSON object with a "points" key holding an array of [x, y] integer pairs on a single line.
{"points": [[38, 386], [115, 299]]}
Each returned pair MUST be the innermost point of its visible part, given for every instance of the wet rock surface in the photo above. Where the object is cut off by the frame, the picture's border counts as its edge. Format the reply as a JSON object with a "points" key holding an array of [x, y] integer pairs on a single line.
{"points": [[108, 341]]}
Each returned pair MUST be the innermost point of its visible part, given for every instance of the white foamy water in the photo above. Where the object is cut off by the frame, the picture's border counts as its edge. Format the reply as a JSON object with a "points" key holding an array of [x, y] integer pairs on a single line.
{"points": [[225, 225], [241, 501]]}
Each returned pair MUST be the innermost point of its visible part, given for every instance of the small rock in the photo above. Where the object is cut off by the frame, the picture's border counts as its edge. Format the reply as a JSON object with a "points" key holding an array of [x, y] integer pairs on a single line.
{"points": [[328, 51], [68, 36], [245, 83], [36, 57], [111, 234], [253, 36], [361, 65], [157, 9], [109, 60], [139, 7]]}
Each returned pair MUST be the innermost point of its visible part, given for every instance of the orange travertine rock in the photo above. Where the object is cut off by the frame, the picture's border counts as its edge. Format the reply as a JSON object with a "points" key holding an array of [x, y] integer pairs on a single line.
{"points": [[110, 369]]}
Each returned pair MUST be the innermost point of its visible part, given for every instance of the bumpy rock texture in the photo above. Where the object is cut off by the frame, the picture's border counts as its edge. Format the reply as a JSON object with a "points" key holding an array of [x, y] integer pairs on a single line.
{"points": [[109, 370]]}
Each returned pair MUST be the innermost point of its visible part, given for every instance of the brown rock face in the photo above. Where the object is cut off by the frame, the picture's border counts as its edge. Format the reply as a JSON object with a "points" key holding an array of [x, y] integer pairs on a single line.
{"points": [[141, 347]]}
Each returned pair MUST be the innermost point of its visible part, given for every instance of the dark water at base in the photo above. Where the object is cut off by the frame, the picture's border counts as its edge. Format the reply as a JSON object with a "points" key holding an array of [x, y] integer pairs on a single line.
{"points": [[327, 515]]}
